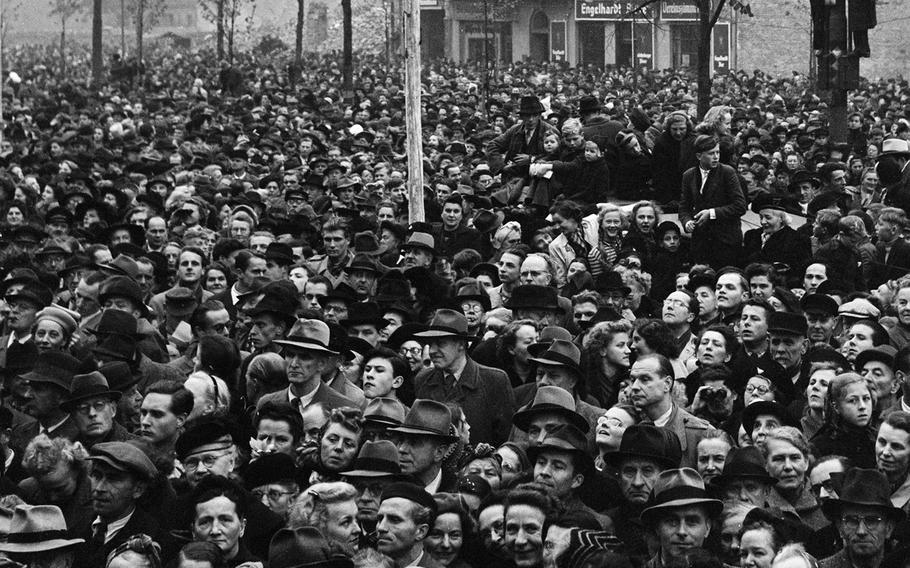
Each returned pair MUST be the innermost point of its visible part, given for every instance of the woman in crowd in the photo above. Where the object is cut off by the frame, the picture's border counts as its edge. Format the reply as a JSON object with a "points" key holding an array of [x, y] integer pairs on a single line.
{"points": [[642, 236], [711, 454], [217, 278], [339, 442], [452, 532], [611, 222], [515, 463], [776, 240], [849, 413], [610, 428], [653, 336], [54, 328], [578, 238], [609, 347], [759, 387], [787, 456]]}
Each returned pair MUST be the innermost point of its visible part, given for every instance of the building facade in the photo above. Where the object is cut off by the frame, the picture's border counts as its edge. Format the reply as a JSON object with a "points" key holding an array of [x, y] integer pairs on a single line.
{"points": [[578, 32]]}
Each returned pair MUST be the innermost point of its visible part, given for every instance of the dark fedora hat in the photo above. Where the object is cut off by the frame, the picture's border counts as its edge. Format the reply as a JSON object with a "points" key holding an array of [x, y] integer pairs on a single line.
{"points": [[561, 353], [88, 386], [611, 280], [862, 488], [820, 304], [569, 439], [675, 488], [473, 291], [282, 253], [367, 313], [776, 202], [650, 442], [551, 400], [365, 262], [365, 242], [122, 287], [744, 463], [884, 353], [530, 105], [546, 337], [427, 418], [403, 333], [343, 292], [269, 468], [304, 547], [117, 322], [20, 359], [117, 347], [488, 269], [805, 176], [277, 304], [121, 265], [533, 297], [54, 367], [787, 322], [119, 376], [766, 407], [447, 323], [376, 459]]}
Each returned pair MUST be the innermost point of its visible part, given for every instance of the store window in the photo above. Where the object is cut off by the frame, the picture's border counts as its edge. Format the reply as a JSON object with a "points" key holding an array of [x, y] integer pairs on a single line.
{"points": [[684, 45]]}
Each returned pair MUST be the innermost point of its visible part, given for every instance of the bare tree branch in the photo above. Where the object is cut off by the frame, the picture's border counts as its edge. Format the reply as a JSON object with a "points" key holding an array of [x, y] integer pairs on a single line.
{"points": [[716, 15]]}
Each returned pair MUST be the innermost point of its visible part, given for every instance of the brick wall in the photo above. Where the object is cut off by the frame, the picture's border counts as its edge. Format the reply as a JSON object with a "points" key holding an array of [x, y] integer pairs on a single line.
{"points": [[777, 38]]}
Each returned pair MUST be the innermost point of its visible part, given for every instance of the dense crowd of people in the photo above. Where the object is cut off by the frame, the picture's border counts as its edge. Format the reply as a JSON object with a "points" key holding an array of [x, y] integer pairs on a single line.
{"points": [[625, 335]]}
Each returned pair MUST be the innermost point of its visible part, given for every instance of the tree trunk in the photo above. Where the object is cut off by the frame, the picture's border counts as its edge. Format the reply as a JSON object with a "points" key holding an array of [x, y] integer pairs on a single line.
{"points": [[219, 24], [298, 40], [62, 47], [140, 31], [347, 67], [703, 63], [97, 52]]}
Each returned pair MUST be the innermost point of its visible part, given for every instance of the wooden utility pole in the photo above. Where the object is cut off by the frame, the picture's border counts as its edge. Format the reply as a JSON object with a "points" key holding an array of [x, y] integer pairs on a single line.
{"points": [[412, 110]]}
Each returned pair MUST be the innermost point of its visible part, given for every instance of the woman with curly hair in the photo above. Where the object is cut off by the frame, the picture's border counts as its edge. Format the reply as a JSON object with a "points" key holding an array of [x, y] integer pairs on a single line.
{"points": [[611, 223], [608, 347], [337, 447], [332, 508], [849, 421]]}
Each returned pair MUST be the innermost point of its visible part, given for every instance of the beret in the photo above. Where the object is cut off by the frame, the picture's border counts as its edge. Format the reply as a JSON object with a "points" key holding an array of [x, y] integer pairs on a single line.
{"points": [[411, 492]]}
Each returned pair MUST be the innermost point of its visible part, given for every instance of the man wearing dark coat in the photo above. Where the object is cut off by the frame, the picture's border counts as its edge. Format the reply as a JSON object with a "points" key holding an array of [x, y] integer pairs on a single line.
{"points": [[513, 149], [484, 393], [711, 205]]}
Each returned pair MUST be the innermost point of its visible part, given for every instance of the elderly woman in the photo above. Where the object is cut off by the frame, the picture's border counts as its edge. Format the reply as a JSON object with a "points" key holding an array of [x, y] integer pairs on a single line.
{"points": [[849, 428], [484, 462], [505, 237], [339, 441], [578, 238], [54, 328], [609, 346], [786, 452], [776, 240]]}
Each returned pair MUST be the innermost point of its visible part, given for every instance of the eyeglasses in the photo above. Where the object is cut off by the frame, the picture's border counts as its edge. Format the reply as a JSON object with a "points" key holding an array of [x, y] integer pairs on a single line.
{"points": [[852, 522], [87, 407], [272, 494], [415, 351], [760, 390], [192, 464]]}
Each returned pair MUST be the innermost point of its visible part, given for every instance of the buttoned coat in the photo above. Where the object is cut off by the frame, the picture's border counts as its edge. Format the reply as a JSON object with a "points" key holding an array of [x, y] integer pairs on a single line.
{"points": [[484, 393], [722, 193]]}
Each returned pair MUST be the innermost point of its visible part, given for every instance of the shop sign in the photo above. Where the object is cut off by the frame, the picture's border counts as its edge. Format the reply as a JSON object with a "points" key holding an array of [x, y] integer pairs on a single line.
{"points": [[611, 10], [643, 44], [721, 45], [558, 40], [678, 11]]}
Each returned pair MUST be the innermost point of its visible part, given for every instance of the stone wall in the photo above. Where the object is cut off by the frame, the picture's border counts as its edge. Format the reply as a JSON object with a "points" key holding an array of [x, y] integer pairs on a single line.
{"points": [[777, 40]]}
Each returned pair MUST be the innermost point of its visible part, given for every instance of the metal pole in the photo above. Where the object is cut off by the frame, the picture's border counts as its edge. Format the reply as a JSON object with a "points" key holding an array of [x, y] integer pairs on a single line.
{"points": [[412, 111]]}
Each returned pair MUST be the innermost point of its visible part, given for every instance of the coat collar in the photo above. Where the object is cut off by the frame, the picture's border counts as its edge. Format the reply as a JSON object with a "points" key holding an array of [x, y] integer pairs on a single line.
{"points": [[470, 376]]}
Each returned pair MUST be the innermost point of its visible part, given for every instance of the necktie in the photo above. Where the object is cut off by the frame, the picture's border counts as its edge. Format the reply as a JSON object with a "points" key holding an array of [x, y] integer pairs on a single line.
{"points": [[99, 532], [449, 389]]}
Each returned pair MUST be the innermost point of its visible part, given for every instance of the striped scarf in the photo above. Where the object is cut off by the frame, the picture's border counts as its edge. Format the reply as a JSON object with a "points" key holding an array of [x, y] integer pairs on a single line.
{"points": [[590, 254]]}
